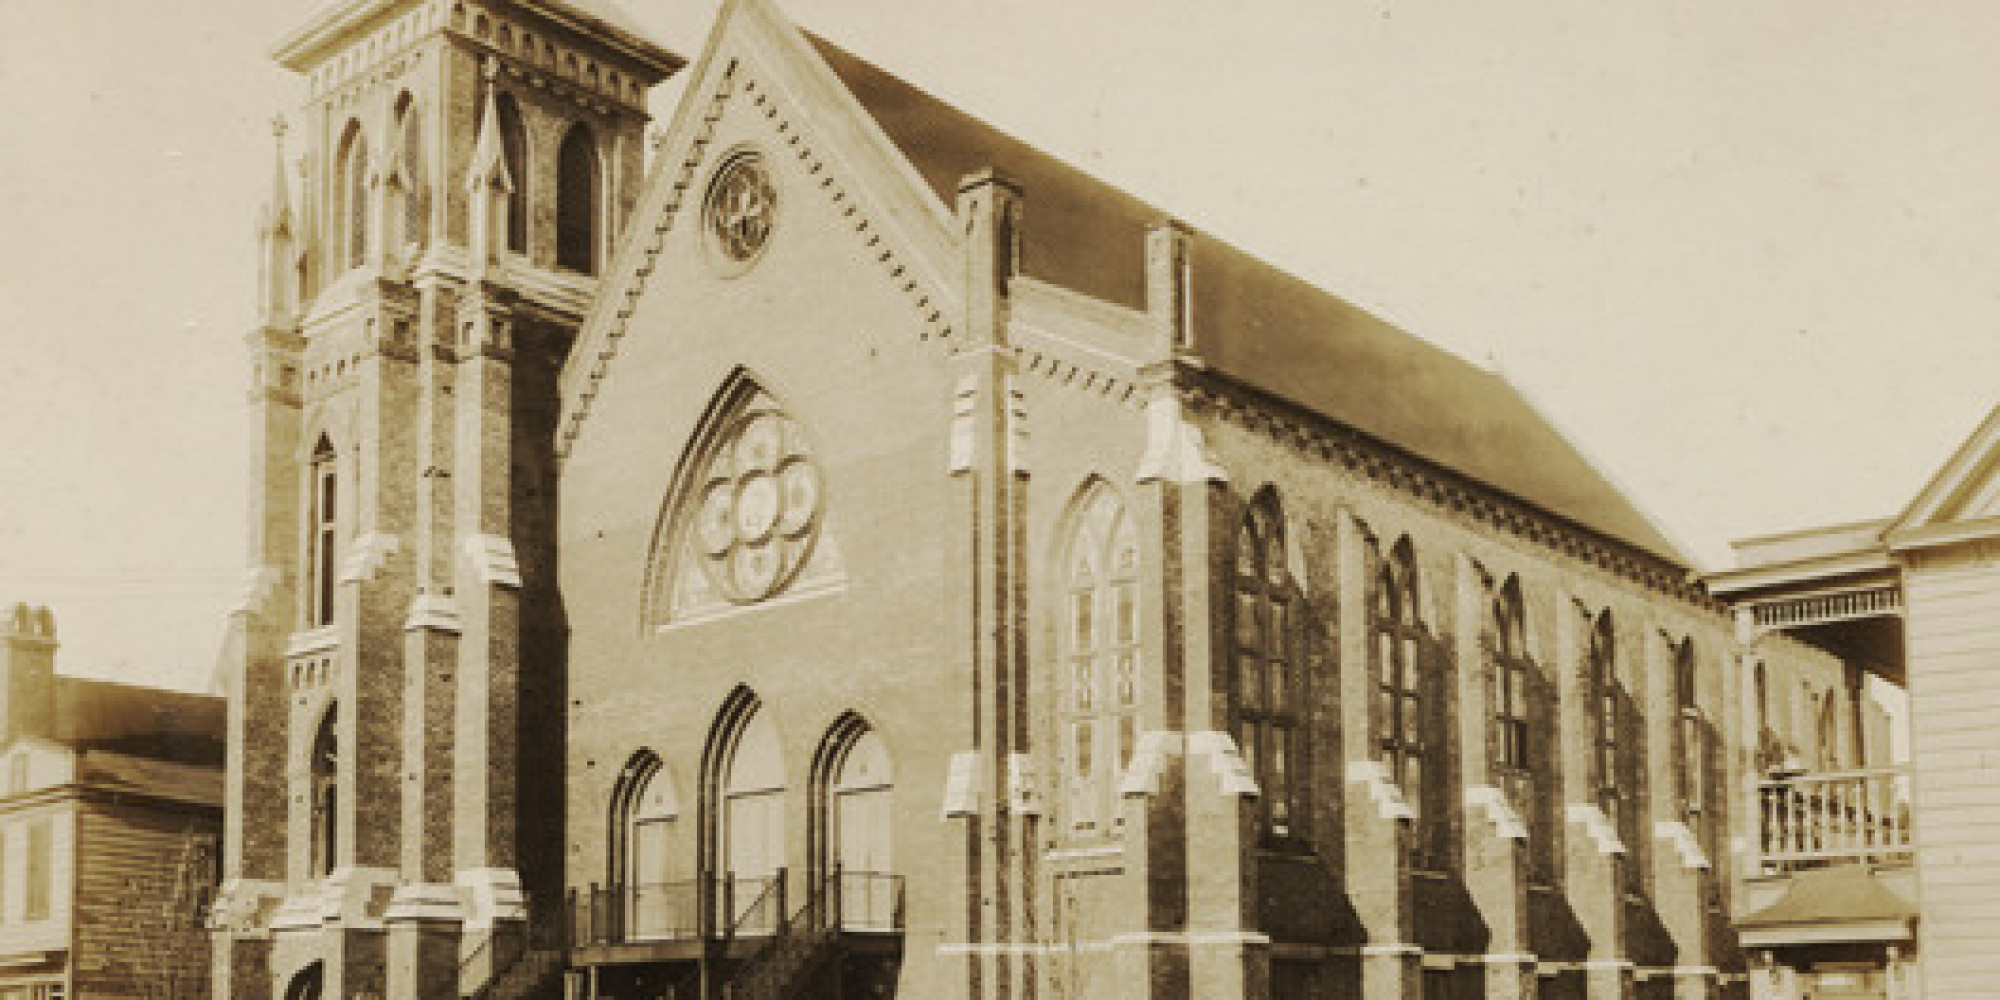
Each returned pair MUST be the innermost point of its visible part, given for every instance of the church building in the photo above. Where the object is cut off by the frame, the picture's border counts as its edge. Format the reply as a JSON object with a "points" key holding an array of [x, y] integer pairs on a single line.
{"points": [[835, 549]]}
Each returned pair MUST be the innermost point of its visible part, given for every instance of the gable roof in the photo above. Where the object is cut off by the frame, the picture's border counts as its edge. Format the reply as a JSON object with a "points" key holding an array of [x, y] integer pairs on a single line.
{"points": [[139, 721], [1963, 488], [1258, 324]]}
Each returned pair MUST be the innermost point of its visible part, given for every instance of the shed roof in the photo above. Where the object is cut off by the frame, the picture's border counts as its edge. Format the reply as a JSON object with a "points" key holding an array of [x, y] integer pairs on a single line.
{"points": [[1258, 324]]}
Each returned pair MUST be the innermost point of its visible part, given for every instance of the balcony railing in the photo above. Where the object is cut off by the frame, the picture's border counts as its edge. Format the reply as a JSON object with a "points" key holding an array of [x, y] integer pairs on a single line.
{"points": [[1812, 820], [743, 907]]}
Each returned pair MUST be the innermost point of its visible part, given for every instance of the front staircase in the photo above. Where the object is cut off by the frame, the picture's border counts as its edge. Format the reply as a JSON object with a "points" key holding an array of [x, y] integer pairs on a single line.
{"points": [[535, 973], [805, 943]]}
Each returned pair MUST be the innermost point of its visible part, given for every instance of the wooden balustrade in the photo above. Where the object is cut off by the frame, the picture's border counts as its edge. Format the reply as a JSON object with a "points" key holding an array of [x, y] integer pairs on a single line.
{"points": [[1811, 820]]}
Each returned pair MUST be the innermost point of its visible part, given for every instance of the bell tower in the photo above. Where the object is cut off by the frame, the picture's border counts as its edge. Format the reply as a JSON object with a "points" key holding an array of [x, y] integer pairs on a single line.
{"points": [[440, 209]]}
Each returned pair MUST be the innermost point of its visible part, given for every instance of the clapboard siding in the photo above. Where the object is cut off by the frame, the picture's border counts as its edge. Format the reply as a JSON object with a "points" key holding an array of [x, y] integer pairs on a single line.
{"points": [[129, 864], [18, 934], [1954, 684]]}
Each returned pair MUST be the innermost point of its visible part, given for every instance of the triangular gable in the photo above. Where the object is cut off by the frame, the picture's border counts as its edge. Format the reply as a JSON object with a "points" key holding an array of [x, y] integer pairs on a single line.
{"points": [[1966, 489], [755, 57]]}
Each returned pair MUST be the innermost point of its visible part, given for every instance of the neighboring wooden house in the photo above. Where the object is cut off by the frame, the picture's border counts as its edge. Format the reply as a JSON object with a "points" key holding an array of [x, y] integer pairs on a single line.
{"points": [[110, 815]]}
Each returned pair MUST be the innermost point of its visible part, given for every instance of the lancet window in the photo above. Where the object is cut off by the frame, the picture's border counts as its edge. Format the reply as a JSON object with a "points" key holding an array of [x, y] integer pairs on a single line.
{"points": [[1099, 635], [1269, 685]]}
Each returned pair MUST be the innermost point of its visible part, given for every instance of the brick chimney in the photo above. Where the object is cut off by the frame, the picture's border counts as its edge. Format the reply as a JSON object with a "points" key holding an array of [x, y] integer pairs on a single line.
{"points": [[27, 672]]}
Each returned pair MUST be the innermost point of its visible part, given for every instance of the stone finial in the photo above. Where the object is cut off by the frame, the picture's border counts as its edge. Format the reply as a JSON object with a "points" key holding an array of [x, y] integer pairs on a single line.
{"points": [[989, 215], [1170, 287], [490, 184]]}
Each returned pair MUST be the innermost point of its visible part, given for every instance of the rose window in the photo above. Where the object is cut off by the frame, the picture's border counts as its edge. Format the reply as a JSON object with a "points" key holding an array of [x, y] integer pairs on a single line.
{"points": [[741, 208], [759, 509]]}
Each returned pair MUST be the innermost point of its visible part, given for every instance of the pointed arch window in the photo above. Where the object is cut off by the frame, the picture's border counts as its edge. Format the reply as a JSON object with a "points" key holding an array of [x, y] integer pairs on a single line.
{"points": [[351, 197], [1617, 743], [1693, 749], [1268, 689], [514, 147], [1521, 761], [1408, 732], [323, 770], [1099, 635], [322, 536], [745, 519], [578, 197]]}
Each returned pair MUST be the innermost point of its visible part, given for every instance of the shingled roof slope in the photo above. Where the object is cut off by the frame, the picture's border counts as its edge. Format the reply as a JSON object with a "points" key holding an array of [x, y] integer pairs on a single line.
{"points": [[1257, 324], [140, 721]]}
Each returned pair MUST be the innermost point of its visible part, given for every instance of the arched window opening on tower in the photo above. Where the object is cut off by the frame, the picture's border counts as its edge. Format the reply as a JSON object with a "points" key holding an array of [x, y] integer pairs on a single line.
{"points": [[323, 537], [577, 197], [415, 196], [1268, 690], [324, 769], [351, 198], [514, 147], [1098, 697]]}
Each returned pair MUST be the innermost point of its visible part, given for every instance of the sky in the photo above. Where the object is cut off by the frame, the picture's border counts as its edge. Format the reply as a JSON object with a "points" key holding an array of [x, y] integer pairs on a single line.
{"points": [[1743, 253]]}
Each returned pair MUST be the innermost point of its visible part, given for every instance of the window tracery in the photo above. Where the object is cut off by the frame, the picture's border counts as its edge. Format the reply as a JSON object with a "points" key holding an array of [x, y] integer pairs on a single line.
{"points": [[1268, 696], [746, 514], [1099, 635]]}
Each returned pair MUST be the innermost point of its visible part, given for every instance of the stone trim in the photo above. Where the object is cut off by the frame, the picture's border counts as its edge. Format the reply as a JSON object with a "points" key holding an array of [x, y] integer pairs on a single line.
{"points": [[1595, 825], [492, 557], [961, 786], [1373, 776], [1506, 822], [1441, 488], [604, 335]]}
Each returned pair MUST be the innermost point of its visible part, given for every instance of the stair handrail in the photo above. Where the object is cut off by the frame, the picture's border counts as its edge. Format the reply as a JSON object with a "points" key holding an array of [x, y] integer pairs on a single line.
{"points": [[800, 937]]}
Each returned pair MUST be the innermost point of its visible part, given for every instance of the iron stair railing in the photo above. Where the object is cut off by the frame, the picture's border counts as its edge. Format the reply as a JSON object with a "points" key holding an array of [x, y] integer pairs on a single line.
{"points": [[542, 957], [806, 939]]}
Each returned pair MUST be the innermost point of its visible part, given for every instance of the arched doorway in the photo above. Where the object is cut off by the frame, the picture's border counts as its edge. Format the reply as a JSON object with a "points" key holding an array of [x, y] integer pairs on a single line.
{"points": [[860, 836], [751, 826]]}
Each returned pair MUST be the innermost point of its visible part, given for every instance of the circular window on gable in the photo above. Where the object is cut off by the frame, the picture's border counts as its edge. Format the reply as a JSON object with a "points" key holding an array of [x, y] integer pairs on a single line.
{"points": [[739, 211]]}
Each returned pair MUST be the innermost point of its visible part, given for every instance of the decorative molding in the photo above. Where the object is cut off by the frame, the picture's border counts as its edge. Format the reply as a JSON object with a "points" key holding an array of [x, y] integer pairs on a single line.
{"points": [[1175, 451], [366, 556], [598, 343], [1225, 762], [492, 557], [1022, 797], [1321, 437], [260, 583], [1149, 762], [1373, 776], [491, 896], [1597, 826], [1506, 822], [961, 786], [433, 612], [1686, 845], [319, 640], [964, 400], [429, 902]]}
